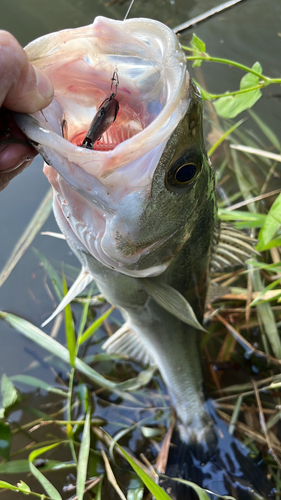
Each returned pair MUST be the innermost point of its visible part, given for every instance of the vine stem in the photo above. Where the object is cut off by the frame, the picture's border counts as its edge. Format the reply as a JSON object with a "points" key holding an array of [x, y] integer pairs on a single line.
{"points": [[226, 94], [231, 63], [205, 57]]}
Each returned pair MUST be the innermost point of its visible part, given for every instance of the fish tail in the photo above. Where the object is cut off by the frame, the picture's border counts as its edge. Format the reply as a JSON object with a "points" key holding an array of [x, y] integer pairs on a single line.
{"points": [[228, 470]]}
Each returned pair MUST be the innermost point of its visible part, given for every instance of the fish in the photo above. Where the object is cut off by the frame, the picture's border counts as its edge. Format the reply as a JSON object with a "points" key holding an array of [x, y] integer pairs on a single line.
{"points": [[139, 211]]}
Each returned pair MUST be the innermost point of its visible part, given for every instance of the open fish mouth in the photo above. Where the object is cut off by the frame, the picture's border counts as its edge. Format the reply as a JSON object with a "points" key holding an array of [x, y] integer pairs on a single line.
{"points": [[115, 176]]}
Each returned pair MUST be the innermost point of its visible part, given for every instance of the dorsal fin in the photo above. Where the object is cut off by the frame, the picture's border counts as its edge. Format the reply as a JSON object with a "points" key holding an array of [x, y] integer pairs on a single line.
{"points": [[83, 280], [231, 248], [126, 341]]}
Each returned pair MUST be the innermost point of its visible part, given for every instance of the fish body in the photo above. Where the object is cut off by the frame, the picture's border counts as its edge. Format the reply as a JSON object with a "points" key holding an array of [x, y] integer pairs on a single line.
{"points": [[139, 210]]}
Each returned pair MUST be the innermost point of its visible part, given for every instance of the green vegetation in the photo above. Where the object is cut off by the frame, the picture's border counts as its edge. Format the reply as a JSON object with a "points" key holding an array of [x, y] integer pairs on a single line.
{"points": [[242, 326]]}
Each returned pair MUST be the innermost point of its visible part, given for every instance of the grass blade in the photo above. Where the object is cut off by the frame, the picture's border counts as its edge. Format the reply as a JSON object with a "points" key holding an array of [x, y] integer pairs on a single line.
{"points": [[33, 333], [267, 318], [259, 152], [156, 490], [36, 382], [34, 226], [22, 466], [69, 327], [22, 487], [83, 458], [271, 224], [224, 136], [94, 327], [45, 483], [52, 273], [111, 477], [266, 130]]}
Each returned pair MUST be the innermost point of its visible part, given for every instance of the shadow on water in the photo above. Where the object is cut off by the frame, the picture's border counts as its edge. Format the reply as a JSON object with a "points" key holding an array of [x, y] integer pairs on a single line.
{"points": [[247, 33]]}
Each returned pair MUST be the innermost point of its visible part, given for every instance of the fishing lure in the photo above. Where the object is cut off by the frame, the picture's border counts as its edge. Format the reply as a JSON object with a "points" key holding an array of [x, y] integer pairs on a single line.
{"points": [[105, 116]]}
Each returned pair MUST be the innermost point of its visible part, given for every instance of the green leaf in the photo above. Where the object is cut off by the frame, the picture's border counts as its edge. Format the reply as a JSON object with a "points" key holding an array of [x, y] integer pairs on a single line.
{"points": [[69, 328], [156, 491], [36, 382], [266, 316], [84, 314], [198, 46], [94, 327], [202, 495], [24, 487], [5, 440], [135, 488], [8, 486], [259, 299], [249, 219], [271, 224], [22, 466], [10, 394], [271, 244], [83, 458], [230, 106], [83, 396], [45, 483], [151, 432]]}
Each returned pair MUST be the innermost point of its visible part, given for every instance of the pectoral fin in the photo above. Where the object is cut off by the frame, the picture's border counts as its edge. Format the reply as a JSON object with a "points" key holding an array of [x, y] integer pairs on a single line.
{"points": [[126, 341], [171, 300], [78, 286]]}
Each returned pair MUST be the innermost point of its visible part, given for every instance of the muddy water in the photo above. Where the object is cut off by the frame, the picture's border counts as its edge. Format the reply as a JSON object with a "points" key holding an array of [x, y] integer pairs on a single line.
{"points": [[246, 33]]}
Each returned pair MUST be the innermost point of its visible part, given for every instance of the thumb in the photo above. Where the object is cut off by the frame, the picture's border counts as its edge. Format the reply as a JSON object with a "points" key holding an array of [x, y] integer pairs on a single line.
{"points": [[23, 87]]}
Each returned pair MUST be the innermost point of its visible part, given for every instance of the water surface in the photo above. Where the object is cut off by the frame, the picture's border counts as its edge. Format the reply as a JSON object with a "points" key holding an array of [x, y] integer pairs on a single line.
{"points": [[247, 33]]}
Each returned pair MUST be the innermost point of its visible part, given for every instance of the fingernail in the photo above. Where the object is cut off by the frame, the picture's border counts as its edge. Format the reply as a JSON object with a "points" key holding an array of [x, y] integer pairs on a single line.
{"points": [[19, 164], [44, 85]]}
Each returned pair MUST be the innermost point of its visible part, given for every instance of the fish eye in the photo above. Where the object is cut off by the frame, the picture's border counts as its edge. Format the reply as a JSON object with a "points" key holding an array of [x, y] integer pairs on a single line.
{"points": [[183, 172], [186, 173]]}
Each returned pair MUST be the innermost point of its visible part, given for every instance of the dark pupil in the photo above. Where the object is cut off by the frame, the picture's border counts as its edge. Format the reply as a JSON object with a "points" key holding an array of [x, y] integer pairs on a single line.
{"points": [[186, 173]]}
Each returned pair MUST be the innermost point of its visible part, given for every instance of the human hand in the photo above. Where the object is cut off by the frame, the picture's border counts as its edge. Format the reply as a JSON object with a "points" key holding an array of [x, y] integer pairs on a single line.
{"points": [[25, 89]]}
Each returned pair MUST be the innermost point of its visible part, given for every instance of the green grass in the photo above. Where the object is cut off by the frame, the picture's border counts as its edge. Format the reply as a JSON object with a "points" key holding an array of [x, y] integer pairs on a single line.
{"points": [[246, 320]]}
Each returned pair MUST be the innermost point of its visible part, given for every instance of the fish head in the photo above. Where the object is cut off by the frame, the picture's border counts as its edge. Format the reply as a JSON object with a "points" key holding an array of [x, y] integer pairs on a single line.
{"points": [[133, 200]]}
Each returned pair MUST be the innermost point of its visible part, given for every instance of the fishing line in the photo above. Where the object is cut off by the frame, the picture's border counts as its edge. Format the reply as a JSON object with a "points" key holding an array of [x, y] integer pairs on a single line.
{"points": [[108, 110], [126, 15]]}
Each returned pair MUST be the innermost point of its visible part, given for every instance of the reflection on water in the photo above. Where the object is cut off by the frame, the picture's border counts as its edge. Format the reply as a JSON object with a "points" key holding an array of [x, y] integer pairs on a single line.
{"points": [[246, 33]]}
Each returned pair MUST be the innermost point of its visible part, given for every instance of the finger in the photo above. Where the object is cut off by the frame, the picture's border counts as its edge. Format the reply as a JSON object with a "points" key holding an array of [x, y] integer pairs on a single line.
{"points": [[6, 177], [14, 146], [23, 87]]}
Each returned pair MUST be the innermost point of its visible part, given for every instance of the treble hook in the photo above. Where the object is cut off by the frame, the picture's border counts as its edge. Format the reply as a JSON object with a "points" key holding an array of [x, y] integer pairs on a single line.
{"points": [[114, 83]]}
